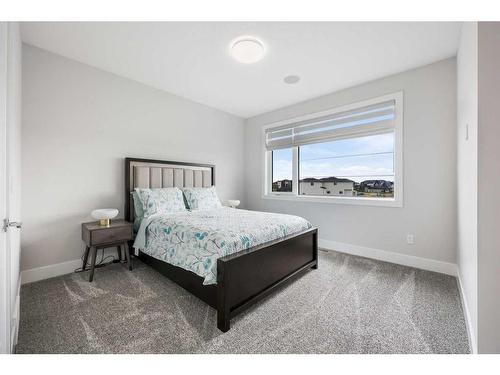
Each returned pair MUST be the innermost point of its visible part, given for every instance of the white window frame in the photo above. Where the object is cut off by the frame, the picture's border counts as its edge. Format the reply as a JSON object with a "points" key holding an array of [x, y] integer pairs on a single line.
{"points": [[397, 201]]}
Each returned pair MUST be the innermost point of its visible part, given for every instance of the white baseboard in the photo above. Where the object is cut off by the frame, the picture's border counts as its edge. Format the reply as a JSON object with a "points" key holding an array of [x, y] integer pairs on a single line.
{"points": [[468, 318], [46, 272], [391, 257]]}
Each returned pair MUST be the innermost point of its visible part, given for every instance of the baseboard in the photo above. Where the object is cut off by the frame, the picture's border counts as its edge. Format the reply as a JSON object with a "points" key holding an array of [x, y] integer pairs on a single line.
{"points": [[468, 318], [391, 257], [46, 272]]}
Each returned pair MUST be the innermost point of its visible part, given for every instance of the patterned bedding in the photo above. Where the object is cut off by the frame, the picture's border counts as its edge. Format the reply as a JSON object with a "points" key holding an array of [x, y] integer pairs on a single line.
{"points": [[193, 240]]}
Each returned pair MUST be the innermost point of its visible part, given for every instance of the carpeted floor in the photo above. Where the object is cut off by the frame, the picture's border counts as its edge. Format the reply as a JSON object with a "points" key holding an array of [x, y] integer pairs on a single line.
{"points": [[349, 305]]}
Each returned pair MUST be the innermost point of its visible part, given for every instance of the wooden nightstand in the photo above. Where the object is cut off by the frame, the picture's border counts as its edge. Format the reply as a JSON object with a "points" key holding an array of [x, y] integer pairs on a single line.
{"points": [[97, 237]]}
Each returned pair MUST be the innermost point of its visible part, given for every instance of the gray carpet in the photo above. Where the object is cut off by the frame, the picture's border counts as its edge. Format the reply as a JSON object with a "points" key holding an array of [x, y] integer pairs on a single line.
{"points": [[349, 305]]}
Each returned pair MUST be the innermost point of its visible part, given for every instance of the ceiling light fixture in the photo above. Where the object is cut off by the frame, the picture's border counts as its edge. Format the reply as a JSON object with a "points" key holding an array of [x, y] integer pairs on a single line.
{"points": [[247, 49], [292, 79]]}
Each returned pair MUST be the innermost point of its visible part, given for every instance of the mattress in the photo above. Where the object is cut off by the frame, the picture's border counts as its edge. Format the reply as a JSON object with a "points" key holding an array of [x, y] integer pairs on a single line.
{"points": [[194, 240]]}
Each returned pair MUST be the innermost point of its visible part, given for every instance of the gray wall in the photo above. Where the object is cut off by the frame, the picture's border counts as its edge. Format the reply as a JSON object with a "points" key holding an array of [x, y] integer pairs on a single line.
{"points": [[429, 210], [488, 204], [78, 125], [478, 79], [467, 115]]}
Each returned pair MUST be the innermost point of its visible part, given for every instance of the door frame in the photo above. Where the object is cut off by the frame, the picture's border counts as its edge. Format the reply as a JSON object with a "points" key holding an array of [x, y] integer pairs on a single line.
{"points": [[5, 279]]}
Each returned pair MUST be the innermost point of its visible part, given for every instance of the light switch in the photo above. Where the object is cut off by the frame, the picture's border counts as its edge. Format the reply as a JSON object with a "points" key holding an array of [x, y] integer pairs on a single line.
{"points": [[410, 239]]}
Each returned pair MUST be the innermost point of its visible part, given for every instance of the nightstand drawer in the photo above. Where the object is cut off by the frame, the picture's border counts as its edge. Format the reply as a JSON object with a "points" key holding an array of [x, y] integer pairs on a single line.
{"points": [[109, 235]]}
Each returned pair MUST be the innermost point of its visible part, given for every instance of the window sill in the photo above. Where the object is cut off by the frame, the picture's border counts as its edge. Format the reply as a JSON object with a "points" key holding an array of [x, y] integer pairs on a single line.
{"points": [[383, 202]]}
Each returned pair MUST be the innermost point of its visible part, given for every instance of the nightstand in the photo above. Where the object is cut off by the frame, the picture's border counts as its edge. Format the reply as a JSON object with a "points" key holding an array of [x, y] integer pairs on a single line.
{"points": [[97, 237]]}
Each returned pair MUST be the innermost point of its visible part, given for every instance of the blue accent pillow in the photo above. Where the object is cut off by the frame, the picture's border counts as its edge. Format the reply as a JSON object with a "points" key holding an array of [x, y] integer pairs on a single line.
{"points": [[202, 198], [163, 200]]}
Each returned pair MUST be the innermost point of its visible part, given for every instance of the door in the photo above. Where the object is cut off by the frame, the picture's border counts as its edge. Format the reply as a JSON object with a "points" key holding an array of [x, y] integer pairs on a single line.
{"points": [[10, 182]]}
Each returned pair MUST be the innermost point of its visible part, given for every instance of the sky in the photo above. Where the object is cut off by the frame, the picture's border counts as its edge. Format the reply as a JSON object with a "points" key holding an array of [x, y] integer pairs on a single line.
{"points": [[358, 159]]}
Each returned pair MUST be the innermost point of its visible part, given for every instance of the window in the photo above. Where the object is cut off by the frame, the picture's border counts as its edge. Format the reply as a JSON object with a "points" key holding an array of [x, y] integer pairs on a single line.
{"points": [[361, 166], [282, 170], [351, 154]]}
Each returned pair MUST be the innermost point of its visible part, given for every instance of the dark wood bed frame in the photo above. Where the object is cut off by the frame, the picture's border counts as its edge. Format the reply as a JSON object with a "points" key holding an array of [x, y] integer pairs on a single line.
{"points": [[245, 277]]}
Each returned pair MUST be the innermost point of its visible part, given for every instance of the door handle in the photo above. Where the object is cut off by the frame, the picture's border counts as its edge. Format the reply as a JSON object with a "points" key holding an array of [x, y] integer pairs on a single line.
{"points": [[7, 223]]}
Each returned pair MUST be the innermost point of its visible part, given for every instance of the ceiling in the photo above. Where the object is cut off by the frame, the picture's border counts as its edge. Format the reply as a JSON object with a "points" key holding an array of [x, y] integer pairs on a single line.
{"points": [[192, 60]]}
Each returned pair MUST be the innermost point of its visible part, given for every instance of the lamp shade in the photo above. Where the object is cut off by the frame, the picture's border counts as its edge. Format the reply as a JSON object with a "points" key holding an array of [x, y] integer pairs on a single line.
{"points": [[233, 203], [104, 213]]}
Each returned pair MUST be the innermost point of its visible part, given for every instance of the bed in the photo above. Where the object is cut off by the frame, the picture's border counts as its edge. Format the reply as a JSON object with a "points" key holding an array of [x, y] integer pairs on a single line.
{"points": [[229, 258]]}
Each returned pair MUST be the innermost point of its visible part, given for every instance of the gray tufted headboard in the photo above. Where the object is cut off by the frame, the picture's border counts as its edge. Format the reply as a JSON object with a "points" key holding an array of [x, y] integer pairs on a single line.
{"points": [[147, 173]]}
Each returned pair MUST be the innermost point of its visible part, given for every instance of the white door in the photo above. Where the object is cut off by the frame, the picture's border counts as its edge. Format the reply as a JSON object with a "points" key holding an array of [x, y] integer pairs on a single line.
{"points": [[10, 182]]}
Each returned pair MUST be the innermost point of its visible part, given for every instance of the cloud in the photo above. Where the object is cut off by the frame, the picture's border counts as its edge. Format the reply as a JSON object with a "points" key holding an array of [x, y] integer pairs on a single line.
{"points": [[358, 159]]}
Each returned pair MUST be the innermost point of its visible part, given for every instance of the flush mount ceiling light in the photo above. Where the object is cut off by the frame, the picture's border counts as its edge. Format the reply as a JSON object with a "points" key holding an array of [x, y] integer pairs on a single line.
{"points": [[292, 79], [247, 50]]}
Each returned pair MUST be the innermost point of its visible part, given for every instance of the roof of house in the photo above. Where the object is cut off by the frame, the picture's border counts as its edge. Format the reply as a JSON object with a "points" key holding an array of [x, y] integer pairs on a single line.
{"points": [[335, 179], [326, 179]]}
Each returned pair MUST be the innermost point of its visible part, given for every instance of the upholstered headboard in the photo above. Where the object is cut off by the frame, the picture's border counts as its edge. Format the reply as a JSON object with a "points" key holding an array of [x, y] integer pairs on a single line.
{"points": [[146, 173]]}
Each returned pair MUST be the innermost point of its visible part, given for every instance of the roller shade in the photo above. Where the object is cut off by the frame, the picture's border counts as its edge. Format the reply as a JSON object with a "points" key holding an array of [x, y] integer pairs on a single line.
{"points": [[371, 119]]}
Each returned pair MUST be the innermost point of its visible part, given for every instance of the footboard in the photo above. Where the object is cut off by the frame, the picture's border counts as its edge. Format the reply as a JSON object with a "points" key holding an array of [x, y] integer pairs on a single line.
{"points": [[246, 277]]}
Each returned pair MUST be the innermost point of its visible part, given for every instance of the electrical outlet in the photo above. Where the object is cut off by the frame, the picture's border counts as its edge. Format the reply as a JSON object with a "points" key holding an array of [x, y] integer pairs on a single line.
{"points": [[410, 239]]}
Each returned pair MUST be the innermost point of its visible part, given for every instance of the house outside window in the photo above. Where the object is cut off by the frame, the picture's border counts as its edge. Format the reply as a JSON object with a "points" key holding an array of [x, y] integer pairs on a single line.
{"points": [[351, 154]]}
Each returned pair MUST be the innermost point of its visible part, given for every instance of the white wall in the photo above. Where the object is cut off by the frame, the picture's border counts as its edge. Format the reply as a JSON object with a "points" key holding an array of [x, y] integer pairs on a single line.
{"points": [[488, 182], [429, 210], [467, 116], [78, 125]]}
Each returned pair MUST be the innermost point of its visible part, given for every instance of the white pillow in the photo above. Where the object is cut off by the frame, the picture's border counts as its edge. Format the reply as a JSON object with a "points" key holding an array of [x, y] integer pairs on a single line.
{"points": [[163, 200], [202, 198]]}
